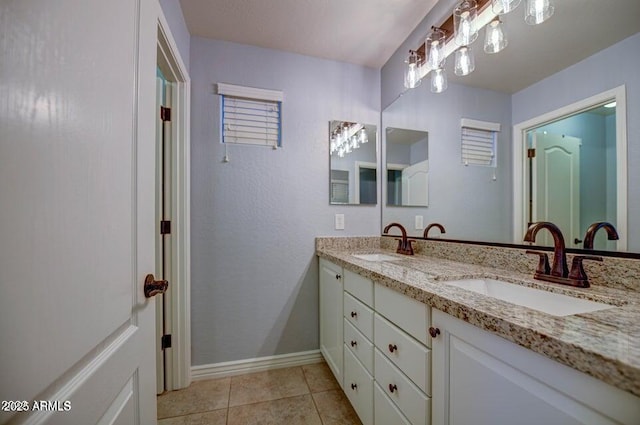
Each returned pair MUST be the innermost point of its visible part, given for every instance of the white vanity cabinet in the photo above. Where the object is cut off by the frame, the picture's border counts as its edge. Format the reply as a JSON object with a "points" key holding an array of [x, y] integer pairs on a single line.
{"points": [[483, 379], [331, 326]]}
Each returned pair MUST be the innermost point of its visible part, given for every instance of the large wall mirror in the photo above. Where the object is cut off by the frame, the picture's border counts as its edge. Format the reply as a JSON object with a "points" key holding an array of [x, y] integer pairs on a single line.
{"points": [[353, 163], [552, 89], [407, 167]]}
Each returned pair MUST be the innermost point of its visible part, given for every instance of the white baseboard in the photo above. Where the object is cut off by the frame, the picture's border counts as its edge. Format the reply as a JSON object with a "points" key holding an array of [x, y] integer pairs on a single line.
{"points": [[239, 367]]}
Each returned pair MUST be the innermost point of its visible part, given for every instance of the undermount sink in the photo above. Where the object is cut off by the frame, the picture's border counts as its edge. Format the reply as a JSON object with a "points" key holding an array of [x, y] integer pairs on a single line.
{"points": [[537, 299], [376, 257]]}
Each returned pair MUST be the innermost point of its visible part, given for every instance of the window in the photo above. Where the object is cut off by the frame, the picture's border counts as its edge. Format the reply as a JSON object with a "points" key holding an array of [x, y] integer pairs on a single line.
{"points": [[250, 116], [479, 142]]}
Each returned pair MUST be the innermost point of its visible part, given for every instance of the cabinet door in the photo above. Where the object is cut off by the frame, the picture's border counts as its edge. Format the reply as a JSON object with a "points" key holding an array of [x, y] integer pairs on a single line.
{"points": [[331, 316], [480, 378]]}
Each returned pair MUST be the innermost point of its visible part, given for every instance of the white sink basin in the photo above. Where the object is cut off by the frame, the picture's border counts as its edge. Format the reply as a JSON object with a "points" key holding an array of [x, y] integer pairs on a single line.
{"points": [[376, 257], [537, 299]]}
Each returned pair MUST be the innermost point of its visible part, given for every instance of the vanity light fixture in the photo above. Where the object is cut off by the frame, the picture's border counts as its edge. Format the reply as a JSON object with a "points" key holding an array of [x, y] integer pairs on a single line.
{"points": [[501, 7], [434, 46], [438, 80], [464, 22], [495, 38], [610, 104], [465, 63], [412, 73], [538, 11], [346, 137]]}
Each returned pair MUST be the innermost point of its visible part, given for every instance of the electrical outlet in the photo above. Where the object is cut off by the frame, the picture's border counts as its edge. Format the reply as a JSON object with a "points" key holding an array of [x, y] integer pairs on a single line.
{"points": [[419, 222], [339, 221]]}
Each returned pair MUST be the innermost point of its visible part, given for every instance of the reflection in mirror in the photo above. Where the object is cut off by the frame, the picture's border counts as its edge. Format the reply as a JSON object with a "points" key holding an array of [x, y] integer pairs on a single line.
{"points": [[353, 163], [583, 51], [407, 175]]}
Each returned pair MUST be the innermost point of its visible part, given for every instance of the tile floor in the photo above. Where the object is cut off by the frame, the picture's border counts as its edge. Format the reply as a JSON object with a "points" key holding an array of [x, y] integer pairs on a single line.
{"points": [[306, 395]]}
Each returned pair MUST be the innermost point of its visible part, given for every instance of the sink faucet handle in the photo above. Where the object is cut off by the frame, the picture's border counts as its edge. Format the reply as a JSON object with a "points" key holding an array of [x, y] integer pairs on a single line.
{"points": [[577, 270], [543, 264]]}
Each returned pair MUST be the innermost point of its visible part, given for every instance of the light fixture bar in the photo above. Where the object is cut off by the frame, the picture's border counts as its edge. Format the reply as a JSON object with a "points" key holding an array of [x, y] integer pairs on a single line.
{"points": [[485, 15]]}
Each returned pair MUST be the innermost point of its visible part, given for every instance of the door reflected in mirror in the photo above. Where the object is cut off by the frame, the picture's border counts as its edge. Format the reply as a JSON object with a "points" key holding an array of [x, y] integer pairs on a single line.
{"points": [[353, 163], [407, 167]]}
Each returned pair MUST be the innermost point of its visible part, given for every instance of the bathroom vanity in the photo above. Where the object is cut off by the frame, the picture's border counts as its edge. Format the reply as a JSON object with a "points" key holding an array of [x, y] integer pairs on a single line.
{"points": [[409, 348]]}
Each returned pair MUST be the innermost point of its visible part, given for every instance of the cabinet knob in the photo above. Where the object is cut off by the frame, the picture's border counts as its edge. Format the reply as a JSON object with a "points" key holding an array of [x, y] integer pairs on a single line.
{"points": [[354, 343], [338, 276], [354, 314], [393, 387], [354, 386], [392, 348], [434, 332]]}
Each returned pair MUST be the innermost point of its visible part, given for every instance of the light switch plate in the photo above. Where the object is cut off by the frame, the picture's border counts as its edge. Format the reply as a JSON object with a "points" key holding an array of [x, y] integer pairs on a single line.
{"points": [[419, 222], [339, 221]]}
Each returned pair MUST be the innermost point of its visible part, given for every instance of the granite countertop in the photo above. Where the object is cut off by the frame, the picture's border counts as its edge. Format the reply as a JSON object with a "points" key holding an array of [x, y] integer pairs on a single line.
{"points": [[604, 344]]}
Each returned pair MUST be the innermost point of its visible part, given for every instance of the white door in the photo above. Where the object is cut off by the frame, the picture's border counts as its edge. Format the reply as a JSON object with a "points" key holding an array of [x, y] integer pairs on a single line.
{"points": [[77, 208], [415, 184], [331, 323], [556, 192]]}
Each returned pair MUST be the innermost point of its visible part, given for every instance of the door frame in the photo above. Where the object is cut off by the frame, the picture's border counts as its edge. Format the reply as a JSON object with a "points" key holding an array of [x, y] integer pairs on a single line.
{"points": [[171, 64], [520, 161]]}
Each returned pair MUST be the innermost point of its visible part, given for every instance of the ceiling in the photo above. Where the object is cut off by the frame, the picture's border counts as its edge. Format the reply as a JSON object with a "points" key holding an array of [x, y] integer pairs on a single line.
{"points": [[355, 31], [368, 33]]}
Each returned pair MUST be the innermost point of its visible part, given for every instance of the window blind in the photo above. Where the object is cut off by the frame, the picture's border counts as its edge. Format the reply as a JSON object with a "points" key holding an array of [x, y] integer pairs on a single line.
{"points": [[251, 116], [479, 142]]}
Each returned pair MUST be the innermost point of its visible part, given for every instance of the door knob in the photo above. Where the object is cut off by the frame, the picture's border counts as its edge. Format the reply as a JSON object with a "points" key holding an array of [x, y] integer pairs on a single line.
{"points": [[154, 287]]}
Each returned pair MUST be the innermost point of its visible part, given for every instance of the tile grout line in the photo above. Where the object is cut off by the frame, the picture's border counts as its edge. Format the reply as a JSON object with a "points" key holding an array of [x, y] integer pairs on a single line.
{"points": [[229, 401], [313, 400]]}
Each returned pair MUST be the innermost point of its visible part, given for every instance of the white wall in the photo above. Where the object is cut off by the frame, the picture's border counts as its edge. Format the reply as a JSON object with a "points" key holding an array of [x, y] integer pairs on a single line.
{"points": [[254, 272]]}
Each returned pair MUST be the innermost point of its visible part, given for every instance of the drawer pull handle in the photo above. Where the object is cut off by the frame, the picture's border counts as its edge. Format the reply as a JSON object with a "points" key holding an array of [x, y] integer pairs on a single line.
{"points": [[354, 314], [354, 343], [338, 277], [392, 348], [393, 387], [354, 386], [434, 332]]}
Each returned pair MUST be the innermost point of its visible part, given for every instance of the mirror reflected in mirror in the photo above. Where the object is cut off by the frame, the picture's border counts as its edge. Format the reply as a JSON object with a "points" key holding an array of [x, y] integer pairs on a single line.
{"points": [[407, 167], [580, 53], [353, 163]]}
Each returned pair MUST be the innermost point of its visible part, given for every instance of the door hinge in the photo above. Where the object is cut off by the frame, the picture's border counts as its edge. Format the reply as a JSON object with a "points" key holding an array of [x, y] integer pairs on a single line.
{"points": [[165, 227], [166, 341], [165, 113], [531, 153]]}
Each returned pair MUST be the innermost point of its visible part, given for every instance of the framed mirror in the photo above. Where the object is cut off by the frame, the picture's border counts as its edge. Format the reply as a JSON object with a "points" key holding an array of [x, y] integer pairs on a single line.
{"points": [[578, 54], [353, 163]]}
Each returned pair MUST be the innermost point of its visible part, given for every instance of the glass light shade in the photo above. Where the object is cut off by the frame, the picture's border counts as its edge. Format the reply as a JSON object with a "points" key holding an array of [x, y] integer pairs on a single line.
{"points": [[362, 136], [504, 6], [434, 45], [355, 143], [464, 22], [465, 62], [495, 39], [538, 11], [341, 152], [412, 72], [438, 80]]}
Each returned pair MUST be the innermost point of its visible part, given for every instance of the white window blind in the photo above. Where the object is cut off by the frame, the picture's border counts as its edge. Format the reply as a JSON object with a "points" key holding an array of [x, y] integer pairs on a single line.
{"points": [[251, 116], [479, 142]]}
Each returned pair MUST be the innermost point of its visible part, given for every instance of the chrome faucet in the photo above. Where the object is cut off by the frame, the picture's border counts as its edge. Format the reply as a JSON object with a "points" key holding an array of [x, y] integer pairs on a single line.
{"points": [[612, 234], [404, 244], [430, 226], [558, 272]]}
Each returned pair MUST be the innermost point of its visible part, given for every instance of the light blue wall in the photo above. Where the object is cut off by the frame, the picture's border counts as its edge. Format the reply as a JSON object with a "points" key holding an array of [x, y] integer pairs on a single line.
{"points": [[610, 68], [254, 273], [173, 13]]}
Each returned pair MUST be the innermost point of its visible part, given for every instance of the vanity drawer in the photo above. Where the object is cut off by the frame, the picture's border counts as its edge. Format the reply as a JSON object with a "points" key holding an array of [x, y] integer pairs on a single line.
{"points": [[358, 286], [358, 386], [405, 352], [359, 345], [412, 402], [411, 315], [359, 315], [385, 412]]}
